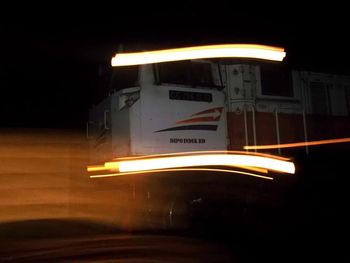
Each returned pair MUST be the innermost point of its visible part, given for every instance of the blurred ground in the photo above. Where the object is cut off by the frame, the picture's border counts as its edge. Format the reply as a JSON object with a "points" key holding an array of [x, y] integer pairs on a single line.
{"points": [[48, 203], [90, 242], [43, 175]]}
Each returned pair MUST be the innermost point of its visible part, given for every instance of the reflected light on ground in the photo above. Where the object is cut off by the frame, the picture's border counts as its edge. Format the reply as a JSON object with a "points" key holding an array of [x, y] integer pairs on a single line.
{"points": [[296, 144], [200, 52]]}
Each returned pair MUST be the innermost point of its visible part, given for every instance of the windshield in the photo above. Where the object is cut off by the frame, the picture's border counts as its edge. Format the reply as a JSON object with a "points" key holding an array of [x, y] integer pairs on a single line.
{"points": [[111, 80], [188, 73]]}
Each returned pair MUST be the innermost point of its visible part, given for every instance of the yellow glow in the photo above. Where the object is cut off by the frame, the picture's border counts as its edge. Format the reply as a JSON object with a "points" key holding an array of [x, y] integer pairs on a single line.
{"points": [[200, 52], [255, 169], [182, 170], [231, 160], [297, 144], [96, 168]]}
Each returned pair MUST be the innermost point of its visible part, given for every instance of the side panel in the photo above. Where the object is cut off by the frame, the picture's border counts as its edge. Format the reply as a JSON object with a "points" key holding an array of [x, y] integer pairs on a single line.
{"points": [[120, 127], [99, 136], [337, 97], [135, 120], [176, 123]]}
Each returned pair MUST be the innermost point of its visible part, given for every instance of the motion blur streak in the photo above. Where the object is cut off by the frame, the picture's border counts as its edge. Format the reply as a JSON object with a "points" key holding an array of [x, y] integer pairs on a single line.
{"points": [[200, 52], [95, 168], [255, 169], [296, 144], [42, 177], [183, 170], [230, 160]]}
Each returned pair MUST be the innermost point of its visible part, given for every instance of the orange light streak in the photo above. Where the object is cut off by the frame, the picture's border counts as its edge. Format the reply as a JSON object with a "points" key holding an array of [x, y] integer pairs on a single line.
{"points": [[231, 160], [96, 168], [182, 170], [296, 144], [255, 169], [200, 52]]}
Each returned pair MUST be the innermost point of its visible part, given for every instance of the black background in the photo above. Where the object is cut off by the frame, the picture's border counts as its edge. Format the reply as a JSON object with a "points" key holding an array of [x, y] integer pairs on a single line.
{"points": [[51, 54]]}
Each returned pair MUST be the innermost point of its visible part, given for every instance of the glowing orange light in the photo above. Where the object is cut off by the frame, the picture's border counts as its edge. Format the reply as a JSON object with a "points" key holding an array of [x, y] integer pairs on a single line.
{"points": [[182, 170], [255, 169], [230, 160], [200, 52], [297, 144], [96, 168], [196, 161]]}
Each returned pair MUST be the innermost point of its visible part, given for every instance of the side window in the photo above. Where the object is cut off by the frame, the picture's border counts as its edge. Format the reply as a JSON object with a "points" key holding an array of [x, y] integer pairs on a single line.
{"points": [[113, 79], [124, 77], [347, 91], [202, 74], [276, 81], [318, 95], [175, 72]]}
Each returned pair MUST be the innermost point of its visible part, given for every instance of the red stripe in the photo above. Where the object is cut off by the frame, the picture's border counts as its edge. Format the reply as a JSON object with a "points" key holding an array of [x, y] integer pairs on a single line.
{"points": [[200, 119], [209, 111]]}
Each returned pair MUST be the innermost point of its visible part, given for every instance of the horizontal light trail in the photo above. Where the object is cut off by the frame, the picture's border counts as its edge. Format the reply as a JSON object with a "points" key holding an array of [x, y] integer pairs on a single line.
{"points": [[96, 168], [296, 144], [182, 170], [229, 160], [200, 52]]}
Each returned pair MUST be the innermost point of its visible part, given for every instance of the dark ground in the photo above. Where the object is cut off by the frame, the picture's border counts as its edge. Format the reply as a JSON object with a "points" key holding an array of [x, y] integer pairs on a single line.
{"points": [[309, 224]]}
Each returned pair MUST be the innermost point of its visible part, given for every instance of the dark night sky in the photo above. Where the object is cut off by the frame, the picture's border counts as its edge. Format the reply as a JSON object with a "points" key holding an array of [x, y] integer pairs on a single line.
{"points": [[49, 64]]}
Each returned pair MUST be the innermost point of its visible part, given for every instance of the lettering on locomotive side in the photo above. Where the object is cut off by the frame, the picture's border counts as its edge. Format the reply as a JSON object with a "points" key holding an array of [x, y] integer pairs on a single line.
{"points": [[187, 140], [190, 96]]}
